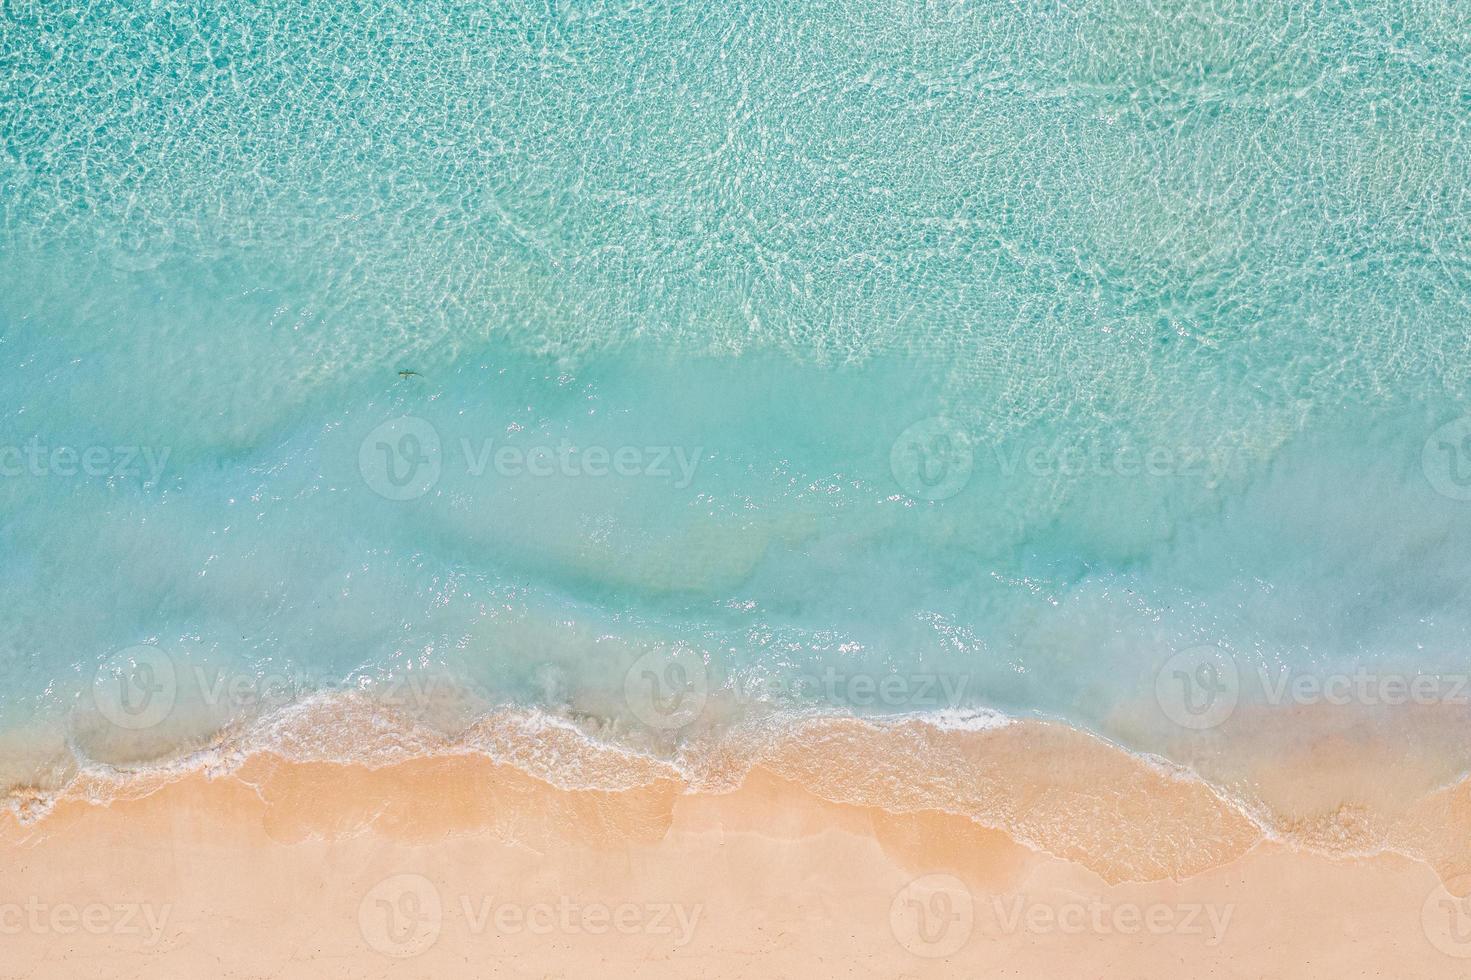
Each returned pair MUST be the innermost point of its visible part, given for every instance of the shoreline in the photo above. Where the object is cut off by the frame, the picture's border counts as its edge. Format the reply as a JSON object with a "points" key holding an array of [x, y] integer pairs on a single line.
{"points": [[1329, 781], [465, 867]]}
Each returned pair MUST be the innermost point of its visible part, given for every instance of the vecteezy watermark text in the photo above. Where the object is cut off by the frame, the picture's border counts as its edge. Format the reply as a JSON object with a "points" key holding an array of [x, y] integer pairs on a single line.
{"points": [[668, 688], [1019, 913], [935, 915], [913, 690], [1200, 687], [94, 918], [403, 916], [934, 459], [1128, 460], [404, 458], [139, 687], [38, 459]]}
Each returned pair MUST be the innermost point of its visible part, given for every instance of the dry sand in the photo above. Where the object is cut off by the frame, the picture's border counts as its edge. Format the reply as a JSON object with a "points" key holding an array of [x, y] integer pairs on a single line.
{"points": [[459, 867]]}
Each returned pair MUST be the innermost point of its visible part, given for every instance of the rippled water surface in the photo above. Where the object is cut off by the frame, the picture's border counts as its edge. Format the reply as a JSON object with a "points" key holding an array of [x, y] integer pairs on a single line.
{"points": [[894, 357]]}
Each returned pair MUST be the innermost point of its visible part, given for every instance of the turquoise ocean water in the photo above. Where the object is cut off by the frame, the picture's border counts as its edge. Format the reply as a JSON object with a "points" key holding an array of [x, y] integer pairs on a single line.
{"points": [[636, 362]]}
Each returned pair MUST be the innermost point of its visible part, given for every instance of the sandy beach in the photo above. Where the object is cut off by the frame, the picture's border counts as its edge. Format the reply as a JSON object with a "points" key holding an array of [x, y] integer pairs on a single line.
{"points": [[620, 490], [461, 867]]}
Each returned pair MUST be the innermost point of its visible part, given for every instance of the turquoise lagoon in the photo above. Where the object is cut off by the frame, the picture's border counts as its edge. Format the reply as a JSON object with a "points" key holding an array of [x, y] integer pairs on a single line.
{"points": [[640, 365]]}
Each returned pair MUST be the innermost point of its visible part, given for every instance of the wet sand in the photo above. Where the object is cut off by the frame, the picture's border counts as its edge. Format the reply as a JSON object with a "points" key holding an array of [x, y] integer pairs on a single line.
{"points": [[462, 867]]}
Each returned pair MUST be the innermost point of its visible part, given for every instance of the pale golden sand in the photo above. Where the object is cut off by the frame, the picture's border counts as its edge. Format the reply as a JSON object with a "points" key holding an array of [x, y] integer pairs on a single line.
{"points": [[460, 867]]}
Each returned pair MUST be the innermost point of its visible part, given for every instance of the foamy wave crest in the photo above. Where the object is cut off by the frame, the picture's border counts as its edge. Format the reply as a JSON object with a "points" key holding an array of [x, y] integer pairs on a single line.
{"points": [[1052, 787]]}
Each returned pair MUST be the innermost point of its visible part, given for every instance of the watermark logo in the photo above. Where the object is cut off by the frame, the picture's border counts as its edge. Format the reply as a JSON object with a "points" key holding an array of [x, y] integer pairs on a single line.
{"points": [[1446, 918], [674, 464], [404, 458], [141, 686], [894, 691], [667, 688], [1446, 459], [1198, 688], [401, 459], [1126, 460], [401, 916], [568, 916], [1365, 687], [404, 915], [932, 459], [933, 916], [1104, 918], [136, 687]]}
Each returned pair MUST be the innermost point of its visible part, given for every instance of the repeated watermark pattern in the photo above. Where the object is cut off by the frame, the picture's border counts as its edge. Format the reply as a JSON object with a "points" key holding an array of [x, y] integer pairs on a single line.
{"points": [[404, 458], [935, 916], [38, 917], [668, 688], [1200, 687], [36, 458], [1446, 459], [900, 690], [139, 687], [1206, 920], [1446, 917], [404, 915], [401, 459], [401, 916], [934, 459]]}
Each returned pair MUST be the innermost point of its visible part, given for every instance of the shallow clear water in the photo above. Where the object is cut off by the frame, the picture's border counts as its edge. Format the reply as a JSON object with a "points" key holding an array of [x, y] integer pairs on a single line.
{"points": [[880, 357]]}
